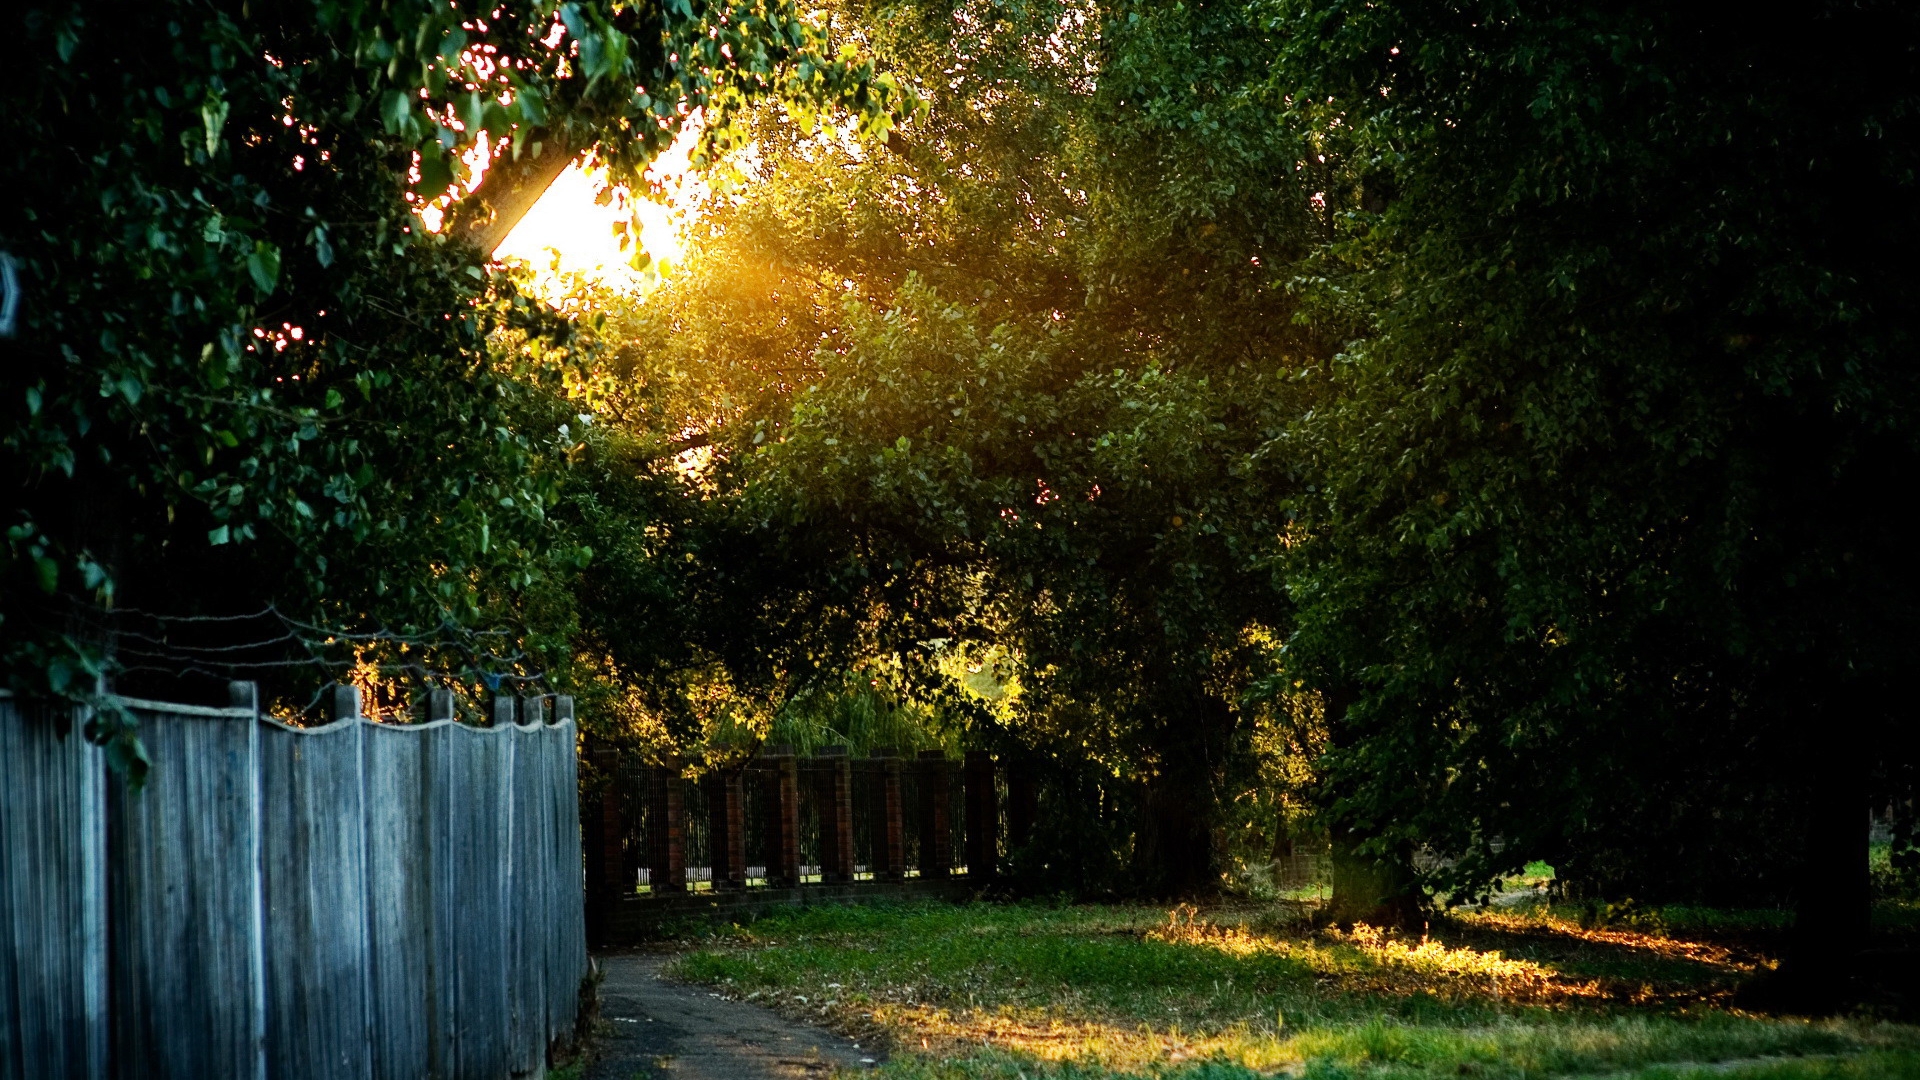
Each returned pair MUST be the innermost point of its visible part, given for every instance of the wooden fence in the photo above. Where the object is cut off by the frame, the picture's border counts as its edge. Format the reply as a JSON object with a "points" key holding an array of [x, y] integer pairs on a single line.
{"points": [[788, 829], [357, 900]]}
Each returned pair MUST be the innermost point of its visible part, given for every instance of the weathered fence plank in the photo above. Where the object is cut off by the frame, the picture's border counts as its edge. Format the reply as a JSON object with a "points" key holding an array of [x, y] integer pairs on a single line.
{"points": [[476, 938], [567, 946], [525, 909], [404, 1009], [313, 871], [53, 995], [185, 904]]}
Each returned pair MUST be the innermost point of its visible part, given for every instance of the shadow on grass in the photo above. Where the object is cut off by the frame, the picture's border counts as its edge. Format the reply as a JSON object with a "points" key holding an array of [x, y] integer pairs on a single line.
{"points": [[1115, 989]]}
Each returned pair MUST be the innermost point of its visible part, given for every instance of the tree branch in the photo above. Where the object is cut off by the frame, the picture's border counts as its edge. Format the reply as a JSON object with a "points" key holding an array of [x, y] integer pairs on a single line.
{"points": [[509, 189]]}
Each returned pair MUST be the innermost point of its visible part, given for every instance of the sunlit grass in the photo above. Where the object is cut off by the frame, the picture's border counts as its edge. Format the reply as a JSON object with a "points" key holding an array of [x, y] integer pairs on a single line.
{"points": [[1105, 991]]}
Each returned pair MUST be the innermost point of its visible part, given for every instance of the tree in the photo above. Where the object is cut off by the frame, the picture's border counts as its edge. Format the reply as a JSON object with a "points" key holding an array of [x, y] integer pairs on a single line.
{"points": [[992, 389], [1604, 551], [245, 373]]}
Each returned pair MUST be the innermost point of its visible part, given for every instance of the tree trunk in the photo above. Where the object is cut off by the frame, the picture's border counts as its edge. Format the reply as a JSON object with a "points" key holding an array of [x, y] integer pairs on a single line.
{"points": [[507, 191], [1174, 855], [1378, 891], [1831, 920], [1372, 890]]}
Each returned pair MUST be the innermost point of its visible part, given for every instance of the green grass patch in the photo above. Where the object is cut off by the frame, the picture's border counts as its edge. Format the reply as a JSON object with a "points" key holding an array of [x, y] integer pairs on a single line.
{"points": [[1113, 991]]}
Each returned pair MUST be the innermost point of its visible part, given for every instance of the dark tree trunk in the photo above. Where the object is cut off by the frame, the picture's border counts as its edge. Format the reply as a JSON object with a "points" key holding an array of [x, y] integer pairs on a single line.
{"points": [[1376, 890], [1174, 855], [1372, 890], [1831, 917]]}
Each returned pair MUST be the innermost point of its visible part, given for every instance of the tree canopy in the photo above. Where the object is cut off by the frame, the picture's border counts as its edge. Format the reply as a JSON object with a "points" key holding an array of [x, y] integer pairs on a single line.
{"points": [[236, 335]]}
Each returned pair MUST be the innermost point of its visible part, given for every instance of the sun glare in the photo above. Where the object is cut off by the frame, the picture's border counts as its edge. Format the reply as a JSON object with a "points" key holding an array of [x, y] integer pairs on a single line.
{"points": [[570, 231]]}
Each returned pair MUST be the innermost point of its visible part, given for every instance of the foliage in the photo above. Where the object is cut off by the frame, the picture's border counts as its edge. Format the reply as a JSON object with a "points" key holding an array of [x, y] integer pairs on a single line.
{"points": [[1601, 562], [245, 374], [1217, 360], [958, 399]]}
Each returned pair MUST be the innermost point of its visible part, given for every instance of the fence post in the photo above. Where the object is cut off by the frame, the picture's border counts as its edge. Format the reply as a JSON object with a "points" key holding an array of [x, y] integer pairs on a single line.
{"points": [[983, 817], [502, 712], [246, 695], [1023, 804], [243, 695], [936, 808], [533, 709], [344, 702], [667, 836], [889, 821], [562, 708], [835, 777], [726, 824], [783, 817], [439, 704]]}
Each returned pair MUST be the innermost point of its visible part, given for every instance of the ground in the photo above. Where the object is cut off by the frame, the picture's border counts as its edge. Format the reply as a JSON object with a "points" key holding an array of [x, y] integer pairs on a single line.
{"points": [[1101, 991], [652, 1028]]}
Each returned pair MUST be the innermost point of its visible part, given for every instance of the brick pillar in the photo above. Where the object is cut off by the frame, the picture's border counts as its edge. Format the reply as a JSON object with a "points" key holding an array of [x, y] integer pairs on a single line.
{"points": [[936, 806], [888, 819], [667, 834], [783, 817], [726, 828], [834, 773], [983, 817], [1023, 804]]}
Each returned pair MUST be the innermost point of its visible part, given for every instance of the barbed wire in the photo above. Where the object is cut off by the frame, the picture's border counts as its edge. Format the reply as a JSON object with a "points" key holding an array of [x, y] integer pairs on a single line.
{"points": [[140, 642]]}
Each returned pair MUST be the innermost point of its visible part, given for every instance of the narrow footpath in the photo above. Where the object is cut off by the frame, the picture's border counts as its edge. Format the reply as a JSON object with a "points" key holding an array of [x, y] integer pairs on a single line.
{"points": [[671, 1031]]}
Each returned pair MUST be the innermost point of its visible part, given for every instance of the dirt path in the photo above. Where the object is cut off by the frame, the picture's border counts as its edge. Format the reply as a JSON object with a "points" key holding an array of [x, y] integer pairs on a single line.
{"points": [[660, 1029]]}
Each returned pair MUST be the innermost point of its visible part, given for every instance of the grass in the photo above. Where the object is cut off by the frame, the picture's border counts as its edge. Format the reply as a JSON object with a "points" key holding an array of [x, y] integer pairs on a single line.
{"points": [[1098, 992]]}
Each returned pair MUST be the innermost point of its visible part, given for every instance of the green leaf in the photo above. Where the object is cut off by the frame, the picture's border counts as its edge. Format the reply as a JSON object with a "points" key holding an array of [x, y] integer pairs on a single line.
{"points": [[219, 536], [396, 113], [496, 120], [436, 172], [264, 265], [213, 116], [533, 111], [127, 755], [473, 113]]}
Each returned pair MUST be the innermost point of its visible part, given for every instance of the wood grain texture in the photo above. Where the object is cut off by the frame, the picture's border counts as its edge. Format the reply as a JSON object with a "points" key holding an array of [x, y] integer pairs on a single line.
{"points": [[53, 941], [403, 1009], [357, 900], [313, 869], [475, 942], [183, 892]]}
